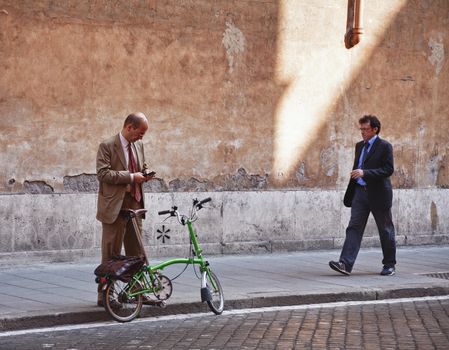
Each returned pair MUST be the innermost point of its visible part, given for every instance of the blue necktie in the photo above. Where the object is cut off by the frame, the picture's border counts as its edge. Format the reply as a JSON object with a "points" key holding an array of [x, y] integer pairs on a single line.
{"points": [[364, 153]]}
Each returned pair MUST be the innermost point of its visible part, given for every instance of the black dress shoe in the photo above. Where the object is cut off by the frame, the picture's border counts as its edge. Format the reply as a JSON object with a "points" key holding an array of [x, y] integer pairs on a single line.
{"points": [[339, 267], [388, 271]]}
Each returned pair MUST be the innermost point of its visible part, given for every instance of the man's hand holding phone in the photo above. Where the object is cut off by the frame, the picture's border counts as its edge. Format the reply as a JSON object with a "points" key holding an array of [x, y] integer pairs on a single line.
{"points": [[147, 173]]}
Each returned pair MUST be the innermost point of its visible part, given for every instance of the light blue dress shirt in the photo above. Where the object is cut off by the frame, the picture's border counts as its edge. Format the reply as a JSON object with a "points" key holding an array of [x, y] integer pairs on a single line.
{"points": [[360, 181]]}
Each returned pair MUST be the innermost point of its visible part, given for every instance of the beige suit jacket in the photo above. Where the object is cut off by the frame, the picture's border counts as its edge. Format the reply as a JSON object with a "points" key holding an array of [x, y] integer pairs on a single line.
{"points": [[114, 177]]}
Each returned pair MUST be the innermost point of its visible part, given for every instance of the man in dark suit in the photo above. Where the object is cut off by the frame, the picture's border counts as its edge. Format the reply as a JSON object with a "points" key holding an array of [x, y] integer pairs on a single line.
{"points": [[120, 160], [369, 191]]}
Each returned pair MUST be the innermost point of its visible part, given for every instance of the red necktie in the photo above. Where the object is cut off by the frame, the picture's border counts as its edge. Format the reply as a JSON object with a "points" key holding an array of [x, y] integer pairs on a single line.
{"points": [[132, 167]]}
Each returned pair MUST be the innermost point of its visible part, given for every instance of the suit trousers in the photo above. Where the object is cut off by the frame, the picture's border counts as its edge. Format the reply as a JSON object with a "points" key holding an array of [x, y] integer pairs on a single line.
{"points": [[121, 232], [360, 210]]}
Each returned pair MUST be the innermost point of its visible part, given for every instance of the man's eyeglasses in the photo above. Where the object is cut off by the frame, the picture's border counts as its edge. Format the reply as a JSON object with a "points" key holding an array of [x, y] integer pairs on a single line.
{"points": [[365, 129]]}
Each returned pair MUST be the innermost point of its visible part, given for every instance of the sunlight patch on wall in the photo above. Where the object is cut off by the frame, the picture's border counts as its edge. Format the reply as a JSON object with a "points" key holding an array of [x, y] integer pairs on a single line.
{"points": [[317, 68]]}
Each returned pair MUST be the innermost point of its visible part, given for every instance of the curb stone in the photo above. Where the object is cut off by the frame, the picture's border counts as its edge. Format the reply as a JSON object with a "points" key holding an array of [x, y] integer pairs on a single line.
{"points": [[100, 315]]}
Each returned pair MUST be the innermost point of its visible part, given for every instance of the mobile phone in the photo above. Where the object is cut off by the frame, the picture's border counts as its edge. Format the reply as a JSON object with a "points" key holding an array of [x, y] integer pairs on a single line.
{"points": [[145, 172]]}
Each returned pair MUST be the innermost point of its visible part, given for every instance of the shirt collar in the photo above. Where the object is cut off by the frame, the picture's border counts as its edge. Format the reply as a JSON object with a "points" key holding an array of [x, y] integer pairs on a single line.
{"points": [[372, 139], [123, 141]]}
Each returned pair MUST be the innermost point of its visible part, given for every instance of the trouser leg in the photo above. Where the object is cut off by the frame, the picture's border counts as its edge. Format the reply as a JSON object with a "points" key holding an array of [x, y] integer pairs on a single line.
{"points": [[112, 240], [384, 222], [130, 241], [114, 236], [354, 232]]}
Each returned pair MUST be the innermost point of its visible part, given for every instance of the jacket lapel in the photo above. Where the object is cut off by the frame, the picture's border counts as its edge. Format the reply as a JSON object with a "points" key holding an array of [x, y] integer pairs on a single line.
{"points": [[119, 149], [373, 149], [137, 156]]}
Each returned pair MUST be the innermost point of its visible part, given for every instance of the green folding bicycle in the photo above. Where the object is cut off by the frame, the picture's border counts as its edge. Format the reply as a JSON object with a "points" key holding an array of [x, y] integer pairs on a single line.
{"points": [[124, 300]]}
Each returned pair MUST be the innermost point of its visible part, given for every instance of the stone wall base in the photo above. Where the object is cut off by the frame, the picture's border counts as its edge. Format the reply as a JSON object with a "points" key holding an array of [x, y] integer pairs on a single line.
{"points": [[62, 227]]}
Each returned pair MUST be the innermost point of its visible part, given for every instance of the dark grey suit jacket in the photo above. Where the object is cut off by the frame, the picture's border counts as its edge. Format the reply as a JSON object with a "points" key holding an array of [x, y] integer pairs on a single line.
{"points": [[377, 169]]}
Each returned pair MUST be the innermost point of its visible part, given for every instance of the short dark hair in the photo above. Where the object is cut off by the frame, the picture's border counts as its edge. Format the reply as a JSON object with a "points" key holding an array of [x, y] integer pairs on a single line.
{"points": [[134, 119], [372, 120]]}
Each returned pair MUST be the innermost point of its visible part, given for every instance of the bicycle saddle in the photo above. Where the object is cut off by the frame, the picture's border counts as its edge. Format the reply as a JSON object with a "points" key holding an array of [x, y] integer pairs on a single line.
{"points": [[132, 212]]}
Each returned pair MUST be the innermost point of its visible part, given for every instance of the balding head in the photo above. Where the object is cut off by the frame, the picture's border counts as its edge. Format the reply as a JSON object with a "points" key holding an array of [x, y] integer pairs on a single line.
{"points": [[135, 126], [135, 119]]}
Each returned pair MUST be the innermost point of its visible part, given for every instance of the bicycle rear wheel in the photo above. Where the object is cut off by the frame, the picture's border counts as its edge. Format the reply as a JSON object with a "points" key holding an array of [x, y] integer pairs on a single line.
{"points": [[119, 303], [216, 303]]}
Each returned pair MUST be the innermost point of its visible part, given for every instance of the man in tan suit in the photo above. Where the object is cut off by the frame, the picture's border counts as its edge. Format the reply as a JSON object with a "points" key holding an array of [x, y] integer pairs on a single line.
{"points": [[120, 161]]}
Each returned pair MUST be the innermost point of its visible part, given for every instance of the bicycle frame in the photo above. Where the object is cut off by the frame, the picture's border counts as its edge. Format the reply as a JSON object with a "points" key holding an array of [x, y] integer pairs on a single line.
{"points": [[124, 300], [148, 275], [197, 261]]}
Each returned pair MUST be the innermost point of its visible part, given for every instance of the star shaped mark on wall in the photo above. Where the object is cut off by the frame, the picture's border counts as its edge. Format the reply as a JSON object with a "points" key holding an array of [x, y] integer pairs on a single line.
{"points": [[163, 233]]}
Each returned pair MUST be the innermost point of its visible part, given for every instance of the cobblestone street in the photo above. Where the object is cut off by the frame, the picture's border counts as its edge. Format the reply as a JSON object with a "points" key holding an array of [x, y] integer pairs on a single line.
{"points": [[409, 324]]}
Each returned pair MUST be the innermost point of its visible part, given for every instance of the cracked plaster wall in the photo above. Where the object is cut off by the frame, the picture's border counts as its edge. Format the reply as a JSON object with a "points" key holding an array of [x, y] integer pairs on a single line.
{"points": [[206, 75]]}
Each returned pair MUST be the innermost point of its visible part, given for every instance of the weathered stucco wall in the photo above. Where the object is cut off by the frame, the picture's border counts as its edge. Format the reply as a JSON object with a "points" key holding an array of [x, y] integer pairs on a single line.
{"points": [[73, 70], [241, 95], [216, 79]]}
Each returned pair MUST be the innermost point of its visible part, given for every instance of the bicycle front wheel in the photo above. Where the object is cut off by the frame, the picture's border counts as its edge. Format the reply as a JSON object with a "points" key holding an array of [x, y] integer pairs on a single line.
{"points": [[120, 301], [216, 303]]}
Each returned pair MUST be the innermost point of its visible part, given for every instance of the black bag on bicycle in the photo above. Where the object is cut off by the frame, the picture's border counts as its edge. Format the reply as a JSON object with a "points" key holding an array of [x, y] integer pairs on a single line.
{"points": [[120, 267]]}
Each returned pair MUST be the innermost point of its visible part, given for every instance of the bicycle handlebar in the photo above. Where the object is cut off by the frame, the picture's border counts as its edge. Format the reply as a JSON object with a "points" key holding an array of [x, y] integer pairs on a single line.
{"points": [[164, 212], [208, 199], [196, 206]]}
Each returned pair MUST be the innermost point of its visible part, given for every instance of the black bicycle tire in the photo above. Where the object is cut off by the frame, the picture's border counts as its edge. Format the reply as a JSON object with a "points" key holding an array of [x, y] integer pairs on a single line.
{"points": [[217, 310], [110, 310]]}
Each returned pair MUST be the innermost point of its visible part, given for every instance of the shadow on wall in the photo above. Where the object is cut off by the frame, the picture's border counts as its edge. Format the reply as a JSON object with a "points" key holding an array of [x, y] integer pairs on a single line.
{"points": [[397, 72]]}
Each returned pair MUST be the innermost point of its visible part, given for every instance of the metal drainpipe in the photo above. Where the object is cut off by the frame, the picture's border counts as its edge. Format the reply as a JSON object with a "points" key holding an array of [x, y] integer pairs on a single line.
{"points": [[354, 25]]}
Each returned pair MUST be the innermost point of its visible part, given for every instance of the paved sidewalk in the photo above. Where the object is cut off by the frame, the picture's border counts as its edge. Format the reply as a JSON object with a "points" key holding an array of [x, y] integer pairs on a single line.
{"points": [[54, 294]]}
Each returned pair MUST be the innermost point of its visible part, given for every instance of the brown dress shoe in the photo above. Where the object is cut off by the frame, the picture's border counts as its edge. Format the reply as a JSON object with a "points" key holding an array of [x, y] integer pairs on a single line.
{"points": [[112, 303], [147, 301]]}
